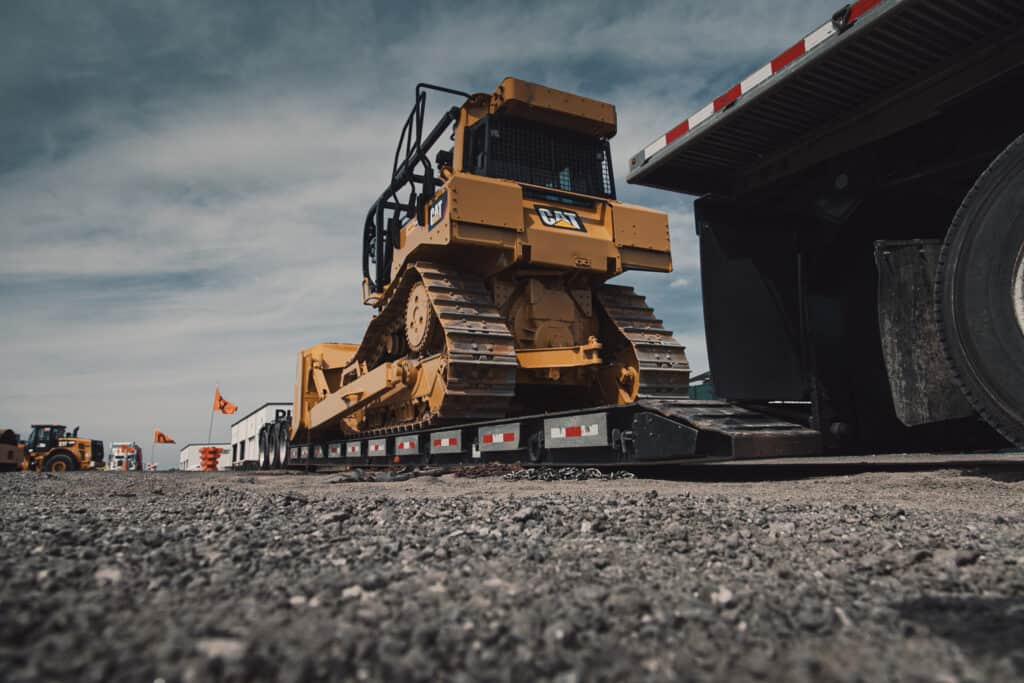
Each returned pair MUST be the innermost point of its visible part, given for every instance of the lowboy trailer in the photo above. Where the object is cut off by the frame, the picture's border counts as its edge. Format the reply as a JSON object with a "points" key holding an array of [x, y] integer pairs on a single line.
{"points": [[861, 224], [655, 432]]}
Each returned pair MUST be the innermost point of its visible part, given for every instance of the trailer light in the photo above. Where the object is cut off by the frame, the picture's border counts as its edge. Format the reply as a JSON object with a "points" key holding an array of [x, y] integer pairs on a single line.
{"points": [[500, 437]]}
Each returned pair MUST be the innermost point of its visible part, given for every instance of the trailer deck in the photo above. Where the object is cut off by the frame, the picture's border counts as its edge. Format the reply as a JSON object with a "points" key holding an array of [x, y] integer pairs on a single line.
{"points": [[652, 432], [875, 67]]}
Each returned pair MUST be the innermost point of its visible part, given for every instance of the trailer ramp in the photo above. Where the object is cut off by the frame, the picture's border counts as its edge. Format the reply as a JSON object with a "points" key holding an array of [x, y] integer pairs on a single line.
{"points": [[728, 431]]}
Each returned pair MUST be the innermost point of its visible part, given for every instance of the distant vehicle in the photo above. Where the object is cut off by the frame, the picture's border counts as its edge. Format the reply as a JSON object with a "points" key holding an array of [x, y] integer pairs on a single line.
{"points": [[51, 448], [126, 456], [251, 443], [12, 451]]}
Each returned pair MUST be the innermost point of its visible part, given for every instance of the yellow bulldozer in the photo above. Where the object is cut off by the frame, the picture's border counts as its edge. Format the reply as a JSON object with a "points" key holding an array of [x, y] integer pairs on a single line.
{"points": [[487, 270]]}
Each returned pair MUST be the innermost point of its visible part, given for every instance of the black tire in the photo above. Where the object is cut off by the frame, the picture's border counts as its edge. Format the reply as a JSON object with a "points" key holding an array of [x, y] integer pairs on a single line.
{"points": [[274, 459], [980, 294], [263, 458], [59, 462], [282, 440]]}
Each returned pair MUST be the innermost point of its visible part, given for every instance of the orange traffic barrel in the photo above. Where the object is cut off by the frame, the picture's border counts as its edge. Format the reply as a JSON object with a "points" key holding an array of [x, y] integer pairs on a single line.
{"points": [[209, 456]]}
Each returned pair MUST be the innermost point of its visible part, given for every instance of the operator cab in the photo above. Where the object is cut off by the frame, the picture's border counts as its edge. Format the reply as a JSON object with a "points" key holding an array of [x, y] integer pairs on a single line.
{"points": [[44, 437], [552, 143], [544, 156]]}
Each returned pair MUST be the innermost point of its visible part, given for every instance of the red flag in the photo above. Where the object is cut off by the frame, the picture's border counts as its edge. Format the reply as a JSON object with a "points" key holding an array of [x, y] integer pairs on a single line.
{"points": [[160, 437], [222, 405]]}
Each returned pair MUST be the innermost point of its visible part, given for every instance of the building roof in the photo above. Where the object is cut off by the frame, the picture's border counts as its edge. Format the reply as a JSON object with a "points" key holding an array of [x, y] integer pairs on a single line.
{"points": [[190, 445], [253, 412]]}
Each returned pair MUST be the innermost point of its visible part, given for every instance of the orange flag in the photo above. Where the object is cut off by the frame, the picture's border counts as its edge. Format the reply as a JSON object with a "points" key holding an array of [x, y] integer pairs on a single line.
{"points": [[222, 405], [160, 437]]}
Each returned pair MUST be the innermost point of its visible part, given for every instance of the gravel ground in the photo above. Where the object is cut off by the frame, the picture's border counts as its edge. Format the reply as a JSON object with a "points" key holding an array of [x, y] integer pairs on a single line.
{"points": [[915, 576]]}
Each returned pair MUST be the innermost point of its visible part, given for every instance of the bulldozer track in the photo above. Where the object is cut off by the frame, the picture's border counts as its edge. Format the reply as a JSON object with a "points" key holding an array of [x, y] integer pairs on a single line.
{"points": [[481, 377], [481, 364], [664, 370], [480, 373]]}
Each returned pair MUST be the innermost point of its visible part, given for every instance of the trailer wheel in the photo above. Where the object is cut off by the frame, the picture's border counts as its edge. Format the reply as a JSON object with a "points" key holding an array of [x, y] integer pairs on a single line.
{"points": [[980, 294], [274, 458], [282, 446], [266, 447], [58, 462]]}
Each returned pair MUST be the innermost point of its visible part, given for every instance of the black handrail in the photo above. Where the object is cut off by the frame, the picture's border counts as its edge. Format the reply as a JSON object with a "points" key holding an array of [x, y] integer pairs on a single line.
{"points": [[412, 168]]}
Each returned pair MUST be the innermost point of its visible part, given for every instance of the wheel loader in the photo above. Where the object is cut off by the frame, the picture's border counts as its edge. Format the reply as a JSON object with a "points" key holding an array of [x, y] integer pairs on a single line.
{"points": [[51, 448], [488, 269]]}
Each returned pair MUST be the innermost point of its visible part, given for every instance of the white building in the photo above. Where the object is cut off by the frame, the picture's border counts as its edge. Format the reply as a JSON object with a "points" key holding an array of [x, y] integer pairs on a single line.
{"points": [[245, 433], [188, 457]]}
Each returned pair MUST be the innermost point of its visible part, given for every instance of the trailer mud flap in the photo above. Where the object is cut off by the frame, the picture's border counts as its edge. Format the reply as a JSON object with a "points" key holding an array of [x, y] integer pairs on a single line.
{"points": [[920, 379]]}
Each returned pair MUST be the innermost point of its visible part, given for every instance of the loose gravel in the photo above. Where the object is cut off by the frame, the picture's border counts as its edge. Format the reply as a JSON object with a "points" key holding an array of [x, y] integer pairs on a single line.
{"points": [[227, 577], [566, 474]]}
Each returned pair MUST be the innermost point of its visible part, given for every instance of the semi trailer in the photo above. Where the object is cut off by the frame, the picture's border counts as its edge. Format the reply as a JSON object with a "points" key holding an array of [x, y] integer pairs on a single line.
{"points": [[860, 215], [251, 447], [125, 456], [862, 255]]}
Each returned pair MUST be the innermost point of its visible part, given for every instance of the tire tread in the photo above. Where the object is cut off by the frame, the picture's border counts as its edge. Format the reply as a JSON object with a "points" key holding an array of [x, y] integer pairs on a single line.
{"points": [[961, 224]]}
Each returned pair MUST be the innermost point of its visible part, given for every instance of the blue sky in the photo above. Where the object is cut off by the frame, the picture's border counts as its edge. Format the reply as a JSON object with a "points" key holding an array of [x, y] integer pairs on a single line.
{"points": [[182, 183]]}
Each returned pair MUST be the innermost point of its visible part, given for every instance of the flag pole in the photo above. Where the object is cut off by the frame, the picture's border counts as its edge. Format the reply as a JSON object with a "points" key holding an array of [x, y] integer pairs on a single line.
{"points": [[209, 435]]}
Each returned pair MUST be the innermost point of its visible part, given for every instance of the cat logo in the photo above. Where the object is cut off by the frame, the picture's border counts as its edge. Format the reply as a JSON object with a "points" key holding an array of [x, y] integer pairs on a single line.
{"points": [[437, 211], [560, 218]]}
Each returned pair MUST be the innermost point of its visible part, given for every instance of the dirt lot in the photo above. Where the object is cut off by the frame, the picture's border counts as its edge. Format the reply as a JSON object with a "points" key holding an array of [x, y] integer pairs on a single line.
{"points": [[748, 573]]}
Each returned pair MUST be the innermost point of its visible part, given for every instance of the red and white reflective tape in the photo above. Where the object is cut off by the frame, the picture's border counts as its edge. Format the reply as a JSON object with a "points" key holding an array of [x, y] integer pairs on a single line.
{"points": [[500, 437], [754, 80], [376, 448], [575, 432], [352, 449], [446, 443], [406, 445]]}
